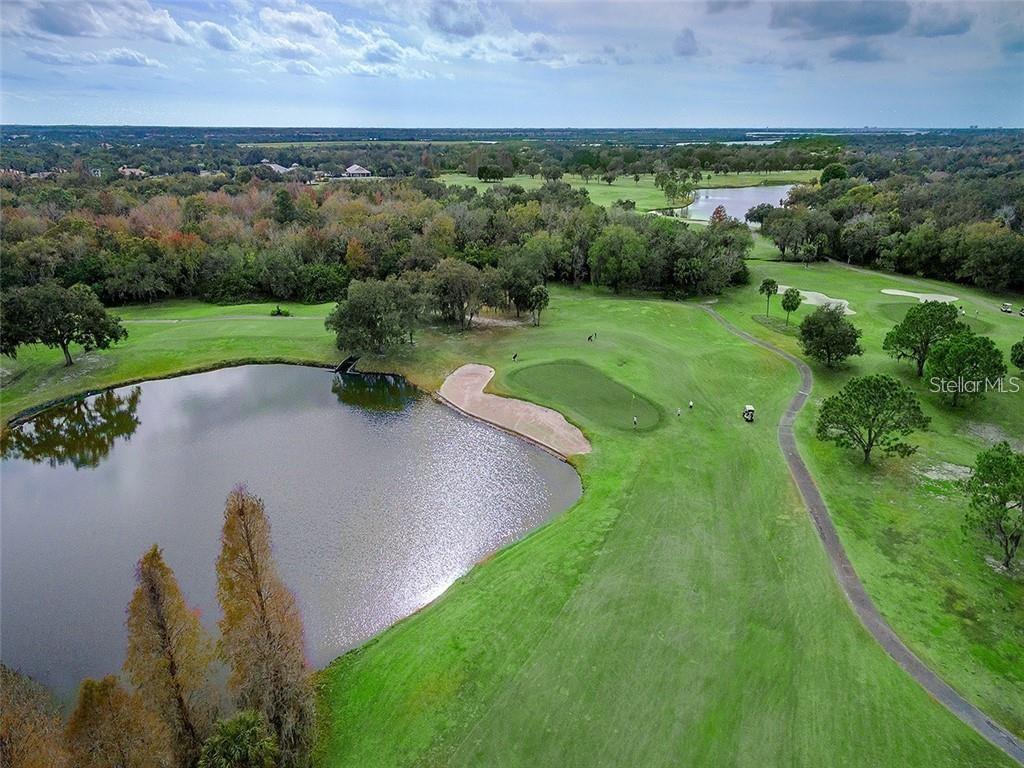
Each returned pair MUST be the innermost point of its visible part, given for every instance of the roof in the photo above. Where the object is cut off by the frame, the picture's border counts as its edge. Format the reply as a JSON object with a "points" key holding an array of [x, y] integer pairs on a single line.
{"points": [[356, 169]]}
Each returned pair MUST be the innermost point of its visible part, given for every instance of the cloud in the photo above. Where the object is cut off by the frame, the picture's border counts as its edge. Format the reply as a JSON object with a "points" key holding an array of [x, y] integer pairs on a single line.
{"points": [[283, 48], [940, 21], [123, 57], [303, 68], [215, 35], [685, 43], [772, 60], [1013, 41], [843, 18], [861, 51], [721, 6], [119, 19], [456, 18], [303, 20]]}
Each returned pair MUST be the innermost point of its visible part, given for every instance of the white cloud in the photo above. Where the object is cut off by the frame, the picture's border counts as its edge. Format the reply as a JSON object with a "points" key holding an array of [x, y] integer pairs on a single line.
{"points": [[215, 35], [303, 20], [117, 19], [123, 57]]}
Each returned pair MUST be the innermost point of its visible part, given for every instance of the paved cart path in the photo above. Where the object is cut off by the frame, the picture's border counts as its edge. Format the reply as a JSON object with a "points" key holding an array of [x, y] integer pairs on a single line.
{"points": [[847, 576]]}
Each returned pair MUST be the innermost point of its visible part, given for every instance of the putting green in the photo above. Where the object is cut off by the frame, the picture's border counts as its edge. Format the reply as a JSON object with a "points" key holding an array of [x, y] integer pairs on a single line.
{"points": [[897, 310], [596, 398]]}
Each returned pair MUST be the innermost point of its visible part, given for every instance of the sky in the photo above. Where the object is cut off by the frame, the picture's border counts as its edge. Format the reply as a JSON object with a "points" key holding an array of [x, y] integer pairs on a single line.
{"points": [[479, 63]]}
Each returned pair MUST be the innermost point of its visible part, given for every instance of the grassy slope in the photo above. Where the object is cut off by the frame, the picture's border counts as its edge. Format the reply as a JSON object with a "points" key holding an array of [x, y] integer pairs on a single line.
{"points": [[645, 194], [682, 612], [901, 528]]}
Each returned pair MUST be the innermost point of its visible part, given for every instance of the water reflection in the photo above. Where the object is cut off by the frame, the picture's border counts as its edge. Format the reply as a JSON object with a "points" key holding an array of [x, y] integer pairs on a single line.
{"points": [[374, 391], [80, 432], [374, 513]]}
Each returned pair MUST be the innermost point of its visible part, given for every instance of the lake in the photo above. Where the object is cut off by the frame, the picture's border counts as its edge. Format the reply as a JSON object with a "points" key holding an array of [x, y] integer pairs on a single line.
{"points": [[737, 200], [379, 498]]}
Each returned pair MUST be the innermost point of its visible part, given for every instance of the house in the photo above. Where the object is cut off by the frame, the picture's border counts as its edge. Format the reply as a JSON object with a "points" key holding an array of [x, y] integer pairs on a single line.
{"points": [[354, 171], [131, 173], [97, 172], [279, 168]]}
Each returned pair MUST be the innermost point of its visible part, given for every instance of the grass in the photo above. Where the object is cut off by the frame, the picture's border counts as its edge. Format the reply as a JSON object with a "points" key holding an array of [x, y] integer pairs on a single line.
{"points": [[683, 611], [900, 520], [598, 399], [646, 196]]}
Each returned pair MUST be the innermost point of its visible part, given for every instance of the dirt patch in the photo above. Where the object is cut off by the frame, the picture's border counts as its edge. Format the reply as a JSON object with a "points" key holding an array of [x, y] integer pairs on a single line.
{"points": [[946, 471], [992, 434], [820, 299], [464, 390], [499, 322], [943, 297]]}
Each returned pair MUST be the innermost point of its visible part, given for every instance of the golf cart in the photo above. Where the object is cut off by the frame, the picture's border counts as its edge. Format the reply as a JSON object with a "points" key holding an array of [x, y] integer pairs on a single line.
{"points": [[748, 414], [1007, 308]]}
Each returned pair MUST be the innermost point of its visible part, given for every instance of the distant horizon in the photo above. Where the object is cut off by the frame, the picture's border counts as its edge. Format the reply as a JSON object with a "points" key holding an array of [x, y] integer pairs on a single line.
{"points": [[340, 127]]}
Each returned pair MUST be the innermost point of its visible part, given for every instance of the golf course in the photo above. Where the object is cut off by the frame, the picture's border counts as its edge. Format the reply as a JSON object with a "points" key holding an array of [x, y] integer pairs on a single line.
{"points": [[644, 193], [684, 611]]}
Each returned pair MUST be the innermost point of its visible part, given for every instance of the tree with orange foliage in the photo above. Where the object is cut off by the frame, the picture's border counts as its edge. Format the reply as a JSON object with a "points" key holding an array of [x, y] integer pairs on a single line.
{"points": [[31, 731], [112, 728], [169, 656], [261, 631]]}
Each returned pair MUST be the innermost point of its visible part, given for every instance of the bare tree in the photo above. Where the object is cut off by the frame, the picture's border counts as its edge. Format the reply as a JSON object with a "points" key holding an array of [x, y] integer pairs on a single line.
{"points": [[261, 632], [169, 656]]}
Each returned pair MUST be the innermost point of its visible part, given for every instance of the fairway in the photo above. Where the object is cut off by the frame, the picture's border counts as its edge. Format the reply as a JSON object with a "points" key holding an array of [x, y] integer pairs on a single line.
{"points": [[597, 399], [644, 193]]}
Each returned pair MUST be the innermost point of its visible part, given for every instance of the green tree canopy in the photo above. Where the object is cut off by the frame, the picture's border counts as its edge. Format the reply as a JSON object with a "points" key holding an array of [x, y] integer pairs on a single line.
{"points": [[791, 301], [1017, 354], [833, 171], [871, 411], [616, 257], [827, 335], [241, 741], [55, 316], [768, 289], [964, 366], [923, 326], [996, 489]]}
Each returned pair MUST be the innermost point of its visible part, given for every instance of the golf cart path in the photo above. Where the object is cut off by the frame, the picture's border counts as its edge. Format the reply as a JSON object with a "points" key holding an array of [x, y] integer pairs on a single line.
{"points": [[847, 576], [463, 390]]}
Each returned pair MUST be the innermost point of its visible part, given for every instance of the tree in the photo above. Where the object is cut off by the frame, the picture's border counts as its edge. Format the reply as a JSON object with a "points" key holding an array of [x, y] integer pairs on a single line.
{"points": [[241, 741], [55, 316], [718, 215], [996, 488], [615, 257], [284, 207], [370, 318], [791, 301], [636, 178], [827, 335], [586, 172], [833, 171], [539, 300], [759, 213], [923, 326], [768, 289], [455, 286], [551, 171], [609, 177], [964, 365], [786, 228], [490, 173], [261, 630], [31, 730], [169, 656], [871, 411], [1017, 354], [112, 728]]}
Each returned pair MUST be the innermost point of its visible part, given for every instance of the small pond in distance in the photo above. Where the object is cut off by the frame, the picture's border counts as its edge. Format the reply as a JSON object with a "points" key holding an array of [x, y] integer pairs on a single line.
{"points": [[737, 201], [379, 498]]}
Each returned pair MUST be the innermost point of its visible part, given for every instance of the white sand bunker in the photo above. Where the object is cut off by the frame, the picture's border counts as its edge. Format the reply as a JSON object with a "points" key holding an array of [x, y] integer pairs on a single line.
{"points": [[821, 300], [945, 298], [464, 390]]}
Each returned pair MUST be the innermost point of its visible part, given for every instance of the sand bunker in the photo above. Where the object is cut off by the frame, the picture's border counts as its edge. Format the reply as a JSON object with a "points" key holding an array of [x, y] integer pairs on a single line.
{"points": [[945, 298], [821, 300], [464, 390]]}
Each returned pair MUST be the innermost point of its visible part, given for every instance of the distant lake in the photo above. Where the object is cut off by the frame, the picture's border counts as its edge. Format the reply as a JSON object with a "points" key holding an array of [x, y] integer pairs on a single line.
{"points": [[379, 498], [737, 201]]}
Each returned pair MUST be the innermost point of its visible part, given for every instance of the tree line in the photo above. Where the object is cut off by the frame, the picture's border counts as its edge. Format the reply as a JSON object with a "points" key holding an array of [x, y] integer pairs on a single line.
{"points": [[166, 710]]}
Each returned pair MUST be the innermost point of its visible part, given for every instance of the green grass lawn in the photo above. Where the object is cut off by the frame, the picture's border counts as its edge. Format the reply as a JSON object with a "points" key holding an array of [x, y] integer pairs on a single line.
{"points": [[683, 612], [900, 520], [646, 196]]}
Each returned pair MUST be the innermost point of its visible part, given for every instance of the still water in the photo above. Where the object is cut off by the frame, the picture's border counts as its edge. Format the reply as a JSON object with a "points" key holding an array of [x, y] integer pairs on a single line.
{"points": [[379, 498], [737, 201]]}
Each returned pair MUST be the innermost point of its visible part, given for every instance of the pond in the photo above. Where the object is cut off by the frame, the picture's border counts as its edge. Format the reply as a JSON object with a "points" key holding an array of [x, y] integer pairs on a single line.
{"points": [[379, 498], [737, 200]]}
